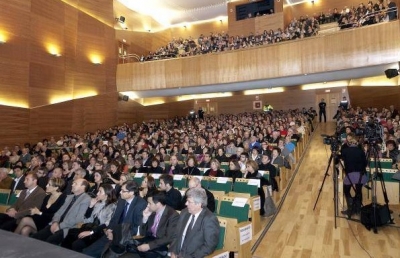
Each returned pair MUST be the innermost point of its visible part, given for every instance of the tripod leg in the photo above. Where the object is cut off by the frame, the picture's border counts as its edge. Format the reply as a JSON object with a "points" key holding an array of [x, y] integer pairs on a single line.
{"points": [[323, 181]]}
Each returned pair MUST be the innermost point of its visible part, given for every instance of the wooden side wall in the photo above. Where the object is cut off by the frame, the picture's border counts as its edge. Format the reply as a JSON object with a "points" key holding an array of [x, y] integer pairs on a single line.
{"points": [[53, 91], [379, 96]]}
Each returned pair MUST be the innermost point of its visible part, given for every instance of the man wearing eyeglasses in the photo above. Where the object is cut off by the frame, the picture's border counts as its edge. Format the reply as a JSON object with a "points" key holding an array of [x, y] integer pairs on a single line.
{"points": [[198, 228], [129, 210]]}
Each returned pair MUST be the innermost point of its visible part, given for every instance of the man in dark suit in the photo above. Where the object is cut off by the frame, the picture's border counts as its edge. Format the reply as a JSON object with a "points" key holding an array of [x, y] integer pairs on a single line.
{"points": [[68, 216], [198, 228], [18, 183], [30, 198], [173, 168], [173, 196], [129, 210], [146, 160], [322, 110], [158, 227]]}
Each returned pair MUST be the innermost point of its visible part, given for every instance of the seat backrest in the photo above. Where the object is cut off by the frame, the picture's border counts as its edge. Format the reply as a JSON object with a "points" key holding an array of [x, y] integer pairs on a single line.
{"points": [[13, 197], [138, 177], [264, 173], [385, 163], [227, 209], [224, 166], [4, 195], [243, 185], [220, 184], [222, 231], [180, 181]]}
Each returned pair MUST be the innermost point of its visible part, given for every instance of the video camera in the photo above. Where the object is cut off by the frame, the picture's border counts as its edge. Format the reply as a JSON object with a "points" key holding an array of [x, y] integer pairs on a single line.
{"points": [[331, 140], [372, 131]]}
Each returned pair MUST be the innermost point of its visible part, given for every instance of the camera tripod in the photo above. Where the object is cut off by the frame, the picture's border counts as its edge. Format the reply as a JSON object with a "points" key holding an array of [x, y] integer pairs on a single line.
{"points": [[333, 160], [376, 174]]}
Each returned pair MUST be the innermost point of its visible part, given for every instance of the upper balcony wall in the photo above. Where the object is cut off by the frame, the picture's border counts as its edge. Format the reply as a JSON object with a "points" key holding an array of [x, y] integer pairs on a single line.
{"points": [[372, 45]]}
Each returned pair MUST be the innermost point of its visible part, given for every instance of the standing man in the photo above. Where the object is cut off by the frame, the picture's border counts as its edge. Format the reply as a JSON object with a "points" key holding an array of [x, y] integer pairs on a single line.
{"points": [[198, 228], [322, 110], [29, 198], [200, 112]]}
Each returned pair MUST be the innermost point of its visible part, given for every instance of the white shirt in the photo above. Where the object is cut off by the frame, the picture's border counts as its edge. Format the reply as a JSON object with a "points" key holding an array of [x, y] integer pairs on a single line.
{"points": [[16, 182], [187, 225], [28, 192]]}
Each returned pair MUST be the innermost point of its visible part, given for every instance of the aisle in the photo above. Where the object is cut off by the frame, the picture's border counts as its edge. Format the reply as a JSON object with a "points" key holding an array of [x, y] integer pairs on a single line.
{"points": [[298, 231]]}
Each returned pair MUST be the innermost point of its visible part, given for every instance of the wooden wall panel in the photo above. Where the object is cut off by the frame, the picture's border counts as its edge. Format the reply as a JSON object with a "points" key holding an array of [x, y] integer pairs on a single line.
{"points": [[14, 75], [102, 10], [254, 25], [46, 9], [14, 126], [196, 30], [268, 22], [379, 96], [52, 120], [30, 77], [311, 55]]}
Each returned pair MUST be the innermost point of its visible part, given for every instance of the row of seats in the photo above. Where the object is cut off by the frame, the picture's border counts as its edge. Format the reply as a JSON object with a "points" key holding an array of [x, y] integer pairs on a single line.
{"points": [[236, 221]]}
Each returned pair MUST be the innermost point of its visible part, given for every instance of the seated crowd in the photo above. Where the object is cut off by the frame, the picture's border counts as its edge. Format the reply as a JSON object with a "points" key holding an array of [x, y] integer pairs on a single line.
{"points": [[91, 194], [386, 122], [362, 15], [219, 42], [303, 27]]}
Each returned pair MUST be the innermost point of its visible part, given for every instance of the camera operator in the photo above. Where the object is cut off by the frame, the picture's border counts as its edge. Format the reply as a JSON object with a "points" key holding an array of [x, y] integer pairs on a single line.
{"points": [[355, 163]]}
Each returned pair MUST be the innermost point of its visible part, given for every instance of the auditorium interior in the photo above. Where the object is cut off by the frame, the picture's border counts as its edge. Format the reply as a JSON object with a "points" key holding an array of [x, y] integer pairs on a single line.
{"points": [[76, 66]]}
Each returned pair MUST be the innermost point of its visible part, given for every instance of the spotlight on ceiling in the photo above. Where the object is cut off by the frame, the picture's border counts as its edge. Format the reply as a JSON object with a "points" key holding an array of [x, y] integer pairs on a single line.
{"points": [[391, 73], [122, 19]]}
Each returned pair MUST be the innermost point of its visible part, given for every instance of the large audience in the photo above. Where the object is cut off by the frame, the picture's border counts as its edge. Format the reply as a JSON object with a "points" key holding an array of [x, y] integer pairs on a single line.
{"points": [[305, 26], [90, 175]]}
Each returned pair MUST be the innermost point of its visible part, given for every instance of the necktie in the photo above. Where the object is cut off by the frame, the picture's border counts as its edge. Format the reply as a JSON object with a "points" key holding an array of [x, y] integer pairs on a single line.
{"points": [[123, 215], [155, 224], [170, 171], [68, 208], [28, 192], [189, 228]]}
